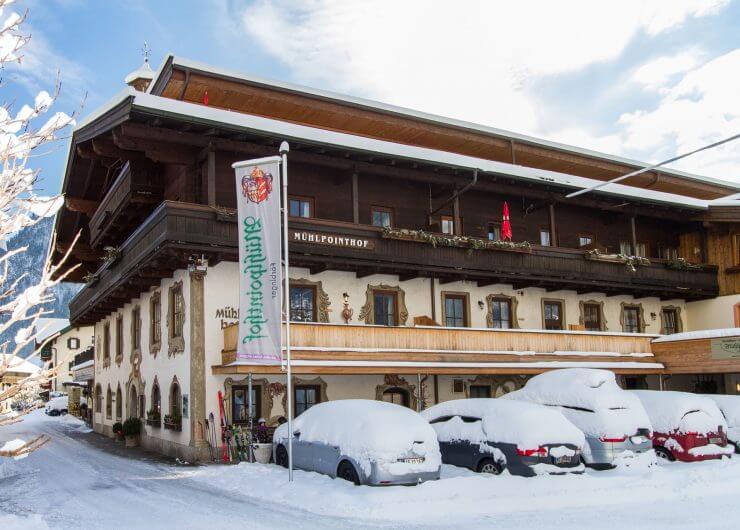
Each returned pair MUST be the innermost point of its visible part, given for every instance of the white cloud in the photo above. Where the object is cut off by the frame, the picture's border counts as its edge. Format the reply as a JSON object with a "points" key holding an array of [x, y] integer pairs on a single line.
{"points": [[483, 61]]}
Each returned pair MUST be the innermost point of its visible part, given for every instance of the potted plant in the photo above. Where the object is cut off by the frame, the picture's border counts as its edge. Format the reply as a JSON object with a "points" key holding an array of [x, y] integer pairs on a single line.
{"points": [[173, 422], [118, 431], [131, 431], [154, 418]]}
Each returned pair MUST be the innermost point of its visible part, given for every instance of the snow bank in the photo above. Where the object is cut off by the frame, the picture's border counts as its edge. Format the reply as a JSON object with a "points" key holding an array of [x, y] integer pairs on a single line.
{"points": [[681, 412], [523, 424], [589, 398], [711, 450], [369, 431]]}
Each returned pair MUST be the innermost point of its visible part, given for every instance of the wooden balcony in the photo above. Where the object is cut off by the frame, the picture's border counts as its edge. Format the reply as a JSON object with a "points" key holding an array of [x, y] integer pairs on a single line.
{"points": [[174, 231], [134, 193], [357, 349]]}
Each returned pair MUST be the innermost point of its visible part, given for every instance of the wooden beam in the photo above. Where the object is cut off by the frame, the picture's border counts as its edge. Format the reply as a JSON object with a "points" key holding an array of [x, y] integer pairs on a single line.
{"points": [[318, 268], [362, 273], [211, 179], [553, 225], [355, 197], [633, 232], [76, 204], [157, 152], [406, 276]]}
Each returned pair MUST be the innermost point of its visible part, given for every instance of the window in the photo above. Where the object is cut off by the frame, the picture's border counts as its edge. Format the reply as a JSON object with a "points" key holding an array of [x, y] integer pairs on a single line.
{"points": [[133, 403], [119, 403], [109, 404], [455, 310], [447, 225], [382, 216], [73, 343], [494, 231], [592, 317], [385, 308], [501, 313], [479, 391], [545, 239], [635, 382], [585, 240], [302, 303], [175, 401], [156, 400], [106, 343], [670, 322], [240, 403], [396, 395], [306, 397], [625, 247], [119, 338], [631, 319], [669, 253], [300, 207], [641, 250], [155, 319], [552, 314], [136, 328], [177, 311], [98, 401]]}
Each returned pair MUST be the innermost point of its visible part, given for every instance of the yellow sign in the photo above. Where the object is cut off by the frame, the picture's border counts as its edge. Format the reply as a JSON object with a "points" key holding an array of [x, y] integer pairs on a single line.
{"points": [[725, 349]]}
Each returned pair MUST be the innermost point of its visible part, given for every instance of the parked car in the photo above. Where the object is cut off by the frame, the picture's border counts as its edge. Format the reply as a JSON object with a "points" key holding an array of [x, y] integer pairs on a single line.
{"points": [[491, 435], [688, 427], [363, 441], [730, 408], [57, 406], [614, 421]]}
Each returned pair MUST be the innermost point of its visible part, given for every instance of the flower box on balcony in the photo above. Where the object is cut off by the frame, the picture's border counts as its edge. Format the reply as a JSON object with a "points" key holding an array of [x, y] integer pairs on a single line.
{"points": [[173, 423], [465, 242]]}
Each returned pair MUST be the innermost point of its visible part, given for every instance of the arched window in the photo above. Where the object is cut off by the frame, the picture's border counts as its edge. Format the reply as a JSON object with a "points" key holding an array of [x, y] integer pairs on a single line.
{"points": [[119, 403], [98, 402], [396, 395], [175, 400], [133, 402], [156, 400], [109, 403]]}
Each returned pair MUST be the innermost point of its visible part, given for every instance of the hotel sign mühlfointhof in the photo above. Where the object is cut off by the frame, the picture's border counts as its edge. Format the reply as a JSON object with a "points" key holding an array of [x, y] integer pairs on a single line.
{"points": [[258, 205]]}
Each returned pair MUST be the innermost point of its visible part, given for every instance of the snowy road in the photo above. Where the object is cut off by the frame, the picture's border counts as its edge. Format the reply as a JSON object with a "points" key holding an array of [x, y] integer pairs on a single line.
{"points": [[71, 483]]}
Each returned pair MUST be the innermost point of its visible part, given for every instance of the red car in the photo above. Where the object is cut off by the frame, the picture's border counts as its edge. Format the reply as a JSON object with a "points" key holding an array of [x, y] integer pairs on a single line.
{"points": [[686, 427]]}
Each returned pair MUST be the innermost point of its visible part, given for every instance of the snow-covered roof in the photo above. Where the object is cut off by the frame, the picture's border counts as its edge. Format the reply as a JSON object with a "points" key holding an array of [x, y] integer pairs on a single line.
{"points": [[683, 412], [47, 327], [83, 365], [700, 334], [18, 364], [306, 134], [142, 72], [423, 116]]}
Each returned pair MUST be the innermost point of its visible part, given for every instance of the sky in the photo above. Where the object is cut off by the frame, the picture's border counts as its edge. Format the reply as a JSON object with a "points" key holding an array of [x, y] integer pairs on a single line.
{"points": [[639, 78]]}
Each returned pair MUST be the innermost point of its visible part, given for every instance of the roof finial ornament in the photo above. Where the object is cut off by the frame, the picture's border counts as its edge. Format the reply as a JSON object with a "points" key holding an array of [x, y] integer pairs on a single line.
{"points": [[146, 51], [142, 76]]}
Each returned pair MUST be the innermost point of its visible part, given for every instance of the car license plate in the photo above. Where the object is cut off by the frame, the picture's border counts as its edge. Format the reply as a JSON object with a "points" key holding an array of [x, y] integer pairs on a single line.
{"points": [[411, 460], [716, 441], [562, 460]]}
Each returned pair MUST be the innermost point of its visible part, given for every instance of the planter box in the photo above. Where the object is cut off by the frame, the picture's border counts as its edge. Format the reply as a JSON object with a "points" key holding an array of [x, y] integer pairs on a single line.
{"points": [[262, 453], [132, 440], [154, 423], [173, 426]]}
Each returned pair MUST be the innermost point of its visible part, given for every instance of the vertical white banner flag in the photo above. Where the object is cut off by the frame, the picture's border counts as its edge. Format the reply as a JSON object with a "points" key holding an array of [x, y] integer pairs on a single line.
{"points": [[258, 203]]}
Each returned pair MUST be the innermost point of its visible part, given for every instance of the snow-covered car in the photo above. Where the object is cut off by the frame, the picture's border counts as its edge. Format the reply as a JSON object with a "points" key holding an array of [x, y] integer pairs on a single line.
{"points": [[688, 427], [730, 408], [490, 435], [57, 406], [614, 421], [363, 441]]}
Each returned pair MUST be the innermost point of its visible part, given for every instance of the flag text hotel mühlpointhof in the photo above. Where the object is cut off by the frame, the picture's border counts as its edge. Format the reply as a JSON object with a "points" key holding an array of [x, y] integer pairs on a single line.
{"points": [[258, 203]]}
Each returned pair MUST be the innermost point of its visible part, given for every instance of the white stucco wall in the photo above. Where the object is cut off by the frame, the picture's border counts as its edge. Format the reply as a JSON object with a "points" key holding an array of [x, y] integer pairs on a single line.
{"points": [[715, 313], [62, 355]]}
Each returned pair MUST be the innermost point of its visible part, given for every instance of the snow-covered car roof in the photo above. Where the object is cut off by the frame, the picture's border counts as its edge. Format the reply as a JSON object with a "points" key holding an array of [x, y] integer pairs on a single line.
{"points": [[61, 402], [524, 424], [610, 410], [683, 412], [730, 407], [366, 430]]}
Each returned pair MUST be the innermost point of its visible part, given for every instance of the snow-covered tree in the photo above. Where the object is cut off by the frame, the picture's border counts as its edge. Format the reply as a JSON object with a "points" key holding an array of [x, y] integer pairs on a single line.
{"points": [[24, 132]]}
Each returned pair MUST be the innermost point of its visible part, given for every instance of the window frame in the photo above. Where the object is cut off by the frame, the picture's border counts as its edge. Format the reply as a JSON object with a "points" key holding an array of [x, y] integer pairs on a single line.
{"points": [[465, 301], [257, 389], [545, 230], [599, 316], [296, 388], [497, 228], [395, 390], [509, 303], [487, 388], [627, 308], [106, 343], [136, 328], [176, 297], [175, 405], [301, 199], [394, 295], [385, 210], [447, 218], [119, 338], [314, 308], [561, 313], [588, 236], [155, 320]]}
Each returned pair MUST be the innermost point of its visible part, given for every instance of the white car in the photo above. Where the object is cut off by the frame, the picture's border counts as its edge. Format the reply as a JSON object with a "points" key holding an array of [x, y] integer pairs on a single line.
{"points": [[491, 435], [363, 441], [57, 406], [730, 407], [614, 421]]}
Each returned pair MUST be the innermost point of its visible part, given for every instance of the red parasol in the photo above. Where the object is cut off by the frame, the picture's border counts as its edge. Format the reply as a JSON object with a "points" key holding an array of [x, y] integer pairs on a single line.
{"points": [[506, 225]]}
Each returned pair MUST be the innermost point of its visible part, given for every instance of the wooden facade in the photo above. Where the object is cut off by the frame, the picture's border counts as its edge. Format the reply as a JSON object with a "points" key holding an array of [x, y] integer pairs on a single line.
{"points": [[697, 356]]}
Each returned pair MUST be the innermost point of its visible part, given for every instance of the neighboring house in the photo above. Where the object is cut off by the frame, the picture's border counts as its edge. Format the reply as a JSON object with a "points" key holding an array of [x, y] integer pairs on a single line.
{"points": [[19, 369], [401, 287], [63, 342]]}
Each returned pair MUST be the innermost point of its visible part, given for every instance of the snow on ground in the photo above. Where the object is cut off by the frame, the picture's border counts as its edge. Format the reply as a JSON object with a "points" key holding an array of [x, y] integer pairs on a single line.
{"points": [[72, 483]]}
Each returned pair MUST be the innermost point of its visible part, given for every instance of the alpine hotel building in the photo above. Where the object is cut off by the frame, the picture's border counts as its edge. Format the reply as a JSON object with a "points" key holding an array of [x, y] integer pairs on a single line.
{"points": [[401, 287]]}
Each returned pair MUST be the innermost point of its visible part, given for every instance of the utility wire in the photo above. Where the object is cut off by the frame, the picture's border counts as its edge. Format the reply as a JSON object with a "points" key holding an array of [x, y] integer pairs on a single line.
{"points": [[649, 168]]}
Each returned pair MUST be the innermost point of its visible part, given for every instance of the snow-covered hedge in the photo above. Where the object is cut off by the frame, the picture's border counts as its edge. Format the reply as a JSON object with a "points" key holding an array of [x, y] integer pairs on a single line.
{"points": [[368, 431], [681, 412], [523, 424], [591, 399]]}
